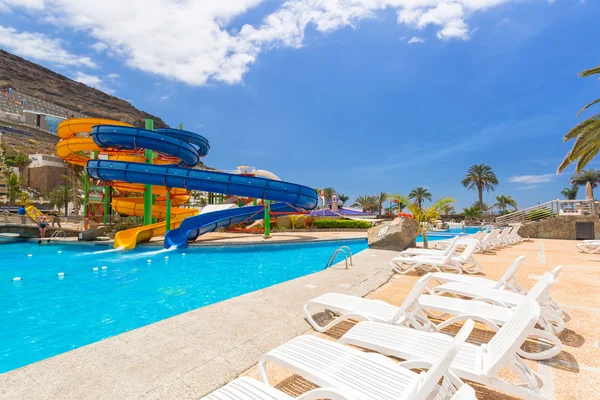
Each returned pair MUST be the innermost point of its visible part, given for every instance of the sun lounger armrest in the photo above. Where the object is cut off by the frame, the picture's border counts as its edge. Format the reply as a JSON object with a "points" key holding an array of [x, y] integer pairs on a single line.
{"points": [[328, 393], [415, 364], [466, 317]]}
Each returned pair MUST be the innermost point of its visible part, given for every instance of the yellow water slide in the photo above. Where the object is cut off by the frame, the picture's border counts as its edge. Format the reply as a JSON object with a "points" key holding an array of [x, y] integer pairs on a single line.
{"points": [[76, 147]]}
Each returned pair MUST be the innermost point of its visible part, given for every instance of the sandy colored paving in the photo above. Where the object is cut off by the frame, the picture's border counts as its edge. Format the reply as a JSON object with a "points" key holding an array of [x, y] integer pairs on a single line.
{"points": [[574, 373]]}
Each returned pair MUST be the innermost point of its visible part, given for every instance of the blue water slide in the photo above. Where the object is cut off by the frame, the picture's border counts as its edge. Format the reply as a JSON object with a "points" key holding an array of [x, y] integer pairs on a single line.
{"points": [[129, 138], [192, 227], [189, 147], [208, 181]]}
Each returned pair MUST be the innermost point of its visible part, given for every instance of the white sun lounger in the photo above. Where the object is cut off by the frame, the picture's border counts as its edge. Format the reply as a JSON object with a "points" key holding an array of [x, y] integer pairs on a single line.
{"points": [[589, 246], [551, 310], [495, 316], [461, 243], [368, 375], [465, 262], [478, 363], [358, 308], [430, 252], [250, 389], [507, 281]]}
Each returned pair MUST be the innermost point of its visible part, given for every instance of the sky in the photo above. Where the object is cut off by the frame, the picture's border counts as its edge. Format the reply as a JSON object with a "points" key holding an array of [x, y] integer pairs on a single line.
{"points": [[362, 95]]}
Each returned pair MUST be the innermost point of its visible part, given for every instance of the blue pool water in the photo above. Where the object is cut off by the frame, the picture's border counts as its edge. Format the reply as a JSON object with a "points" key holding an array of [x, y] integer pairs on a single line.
{"points": [[449, 233], [43, 314]]}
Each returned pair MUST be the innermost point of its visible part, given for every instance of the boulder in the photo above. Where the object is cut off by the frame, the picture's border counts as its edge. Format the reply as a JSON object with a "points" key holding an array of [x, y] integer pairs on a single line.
{"points": [[398, 235]]}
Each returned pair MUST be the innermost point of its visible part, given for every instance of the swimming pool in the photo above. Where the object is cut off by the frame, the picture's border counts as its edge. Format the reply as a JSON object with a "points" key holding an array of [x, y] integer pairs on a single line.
{"points": [[44, 314], [454, 231]]}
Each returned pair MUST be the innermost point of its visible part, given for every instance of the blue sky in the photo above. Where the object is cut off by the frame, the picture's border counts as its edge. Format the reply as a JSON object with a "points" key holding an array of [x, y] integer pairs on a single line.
{"points": [[364, 96]]}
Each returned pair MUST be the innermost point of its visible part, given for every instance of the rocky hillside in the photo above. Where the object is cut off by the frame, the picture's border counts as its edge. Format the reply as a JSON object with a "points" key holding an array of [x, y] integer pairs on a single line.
{"points": [[35, 80]]}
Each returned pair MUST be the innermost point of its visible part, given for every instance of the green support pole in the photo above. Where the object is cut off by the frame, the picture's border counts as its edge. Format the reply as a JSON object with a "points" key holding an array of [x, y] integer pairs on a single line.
{"points": [[267, 219], [86, 194], [149, 154], [254, 202], [168, 205], [106, 204]]}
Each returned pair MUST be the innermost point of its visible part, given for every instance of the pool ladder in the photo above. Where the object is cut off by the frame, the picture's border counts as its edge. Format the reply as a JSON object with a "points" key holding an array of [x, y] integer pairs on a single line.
{"points": [[347, 254], [59, 234]]}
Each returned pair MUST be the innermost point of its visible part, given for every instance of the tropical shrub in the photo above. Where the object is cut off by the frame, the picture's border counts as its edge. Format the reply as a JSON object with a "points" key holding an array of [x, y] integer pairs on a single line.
{"points": [[539, 214], [341, 224]]}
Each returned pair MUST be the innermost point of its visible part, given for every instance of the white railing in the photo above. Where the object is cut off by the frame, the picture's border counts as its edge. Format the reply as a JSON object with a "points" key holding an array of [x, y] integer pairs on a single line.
{"points": [[548, 210]]}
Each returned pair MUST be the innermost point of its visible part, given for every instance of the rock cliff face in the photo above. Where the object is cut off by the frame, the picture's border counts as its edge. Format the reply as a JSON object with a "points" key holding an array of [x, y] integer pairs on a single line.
{"points": [[398, 235], [35, 80]]}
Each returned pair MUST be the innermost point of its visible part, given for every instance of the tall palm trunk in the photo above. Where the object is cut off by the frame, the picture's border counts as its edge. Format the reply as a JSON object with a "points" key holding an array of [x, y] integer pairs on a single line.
{"points": [[75, 183], [480, 190]]}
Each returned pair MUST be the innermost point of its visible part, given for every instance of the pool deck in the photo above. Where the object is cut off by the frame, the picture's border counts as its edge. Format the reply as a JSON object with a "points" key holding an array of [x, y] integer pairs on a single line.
{"points": [[187, 356]]}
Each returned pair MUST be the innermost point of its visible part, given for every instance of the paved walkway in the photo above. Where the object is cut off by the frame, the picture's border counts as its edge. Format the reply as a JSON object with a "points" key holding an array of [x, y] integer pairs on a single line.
{"points": [[575, 372]]}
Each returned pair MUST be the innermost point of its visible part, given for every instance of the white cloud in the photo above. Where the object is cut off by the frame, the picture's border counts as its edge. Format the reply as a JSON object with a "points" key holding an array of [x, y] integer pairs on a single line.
{"points": [[92, 81], [416, 39], [532, 179], [195, 42], [112, 76], [39, 47], [99, 46], [28, 4]]}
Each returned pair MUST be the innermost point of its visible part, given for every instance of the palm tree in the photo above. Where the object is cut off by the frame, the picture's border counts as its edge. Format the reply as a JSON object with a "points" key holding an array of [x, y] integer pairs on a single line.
{"points": [[586, 176], [419, 194], [329, 192], [13, 186], [366, 203], [480, 177], [380, 199], [448, 209], [570, 193], [471, 213], [76, 178], [425, 216], [60, 196], [586, 135], [504, 202], [343, 198]]}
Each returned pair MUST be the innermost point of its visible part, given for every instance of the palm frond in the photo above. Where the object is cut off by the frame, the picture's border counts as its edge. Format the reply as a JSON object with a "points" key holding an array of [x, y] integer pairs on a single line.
{"points": [[588, 106], [590, 72]]}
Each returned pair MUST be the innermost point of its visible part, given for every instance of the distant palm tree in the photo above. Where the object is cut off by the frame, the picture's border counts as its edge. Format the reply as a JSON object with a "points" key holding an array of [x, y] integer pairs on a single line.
{"points": [[366, 203], [425, 216], [343, 198], [503, 203], [329, 192], [586, 135], [60, 196], [570, 193], [480, 177], [447, 209], [587, 175], [13, 186], [76, 178], [379, 200], [419, 194], [471, 213]]}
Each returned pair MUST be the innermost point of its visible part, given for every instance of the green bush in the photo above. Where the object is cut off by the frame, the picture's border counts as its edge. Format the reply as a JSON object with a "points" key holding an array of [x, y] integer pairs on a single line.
{"points": [[341, 224], [539, 214]]}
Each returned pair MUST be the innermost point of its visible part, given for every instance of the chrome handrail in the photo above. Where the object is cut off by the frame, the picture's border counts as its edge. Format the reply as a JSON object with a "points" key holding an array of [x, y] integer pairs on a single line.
{"points": [[59, 234], [334, 256]]}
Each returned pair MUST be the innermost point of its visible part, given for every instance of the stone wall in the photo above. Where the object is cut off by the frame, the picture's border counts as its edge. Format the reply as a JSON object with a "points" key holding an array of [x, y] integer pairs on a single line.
{"points": [[559, 227], [44, 179]]}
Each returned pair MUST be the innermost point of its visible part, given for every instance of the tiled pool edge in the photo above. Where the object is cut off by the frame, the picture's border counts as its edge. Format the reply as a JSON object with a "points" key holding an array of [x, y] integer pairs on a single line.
{"points": [[188, 355]]}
